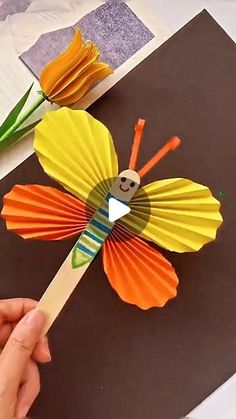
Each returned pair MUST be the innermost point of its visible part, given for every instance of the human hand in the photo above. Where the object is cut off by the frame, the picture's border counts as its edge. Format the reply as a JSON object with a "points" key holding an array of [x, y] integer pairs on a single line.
{"points": [[20, 331]]}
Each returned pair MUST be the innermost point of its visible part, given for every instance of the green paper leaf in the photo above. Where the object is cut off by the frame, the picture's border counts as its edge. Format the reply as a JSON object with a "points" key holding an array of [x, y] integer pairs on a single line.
{"points": [[13, 115], [13, 138]]}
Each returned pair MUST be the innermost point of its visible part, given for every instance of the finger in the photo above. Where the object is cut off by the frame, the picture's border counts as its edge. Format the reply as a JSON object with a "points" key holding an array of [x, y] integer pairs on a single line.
{"points": [[42, 351], [5, 331], [19, 348], [14, 309], [28, 391]]}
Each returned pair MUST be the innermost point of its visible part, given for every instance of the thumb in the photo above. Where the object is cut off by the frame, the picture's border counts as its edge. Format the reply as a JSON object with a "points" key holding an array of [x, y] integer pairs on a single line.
{"points": [[20, 346]]}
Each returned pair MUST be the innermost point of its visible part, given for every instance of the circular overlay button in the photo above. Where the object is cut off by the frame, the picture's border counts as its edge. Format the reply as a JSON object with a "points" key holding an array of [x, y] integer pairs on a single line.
{"points": [[137, 218]]}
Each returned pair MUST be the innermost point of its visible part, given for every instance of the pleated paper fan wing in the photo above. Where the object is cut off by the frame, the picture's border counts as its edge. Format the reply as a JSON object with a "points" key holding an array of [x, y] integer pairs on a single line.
{"points": [[44, 213], [139, 274], [77, 150], [184, 215]]}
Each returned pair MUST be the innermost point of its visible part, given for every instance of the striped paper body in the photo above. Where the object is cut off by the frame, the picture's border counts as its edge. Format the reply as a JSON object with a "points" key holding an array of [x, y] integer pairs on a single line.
{"points": [[93, 237]]}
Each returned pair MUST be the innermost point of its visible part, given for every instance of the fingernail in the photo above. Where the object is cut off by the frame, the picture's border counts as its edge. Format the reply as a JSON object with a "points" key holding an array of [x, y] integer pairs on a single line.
{"points": [[35, 318], [23, 411], [46, 349]]}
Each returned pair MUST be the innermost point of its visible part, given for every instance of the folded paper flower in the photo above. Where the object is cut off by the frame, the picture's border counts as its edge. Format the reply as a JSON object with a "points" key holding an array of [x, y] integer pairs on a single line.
{"points": [[77, 150], [67, 78], [64, 81]]}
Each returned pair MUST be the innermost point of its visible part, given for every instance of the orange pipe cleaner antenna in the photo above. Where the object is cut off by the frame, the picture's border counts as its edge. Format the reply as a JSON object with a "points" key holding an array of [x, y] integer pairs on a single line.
{"points": [[136, 143], [173, 143]]}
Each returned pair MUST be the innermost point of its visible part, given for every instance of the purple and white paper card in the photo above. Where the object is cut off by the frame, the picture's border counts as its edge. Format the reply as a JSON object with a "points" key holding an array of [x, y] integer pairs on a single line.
{"points": [[113, 27], [10, 7]]}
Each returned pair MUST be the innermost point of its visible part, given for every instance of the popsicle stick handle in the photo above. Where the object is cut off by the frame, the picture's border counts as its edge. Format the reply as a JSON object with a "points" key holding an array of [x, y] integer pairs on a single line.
{"points": [[59, 290]]}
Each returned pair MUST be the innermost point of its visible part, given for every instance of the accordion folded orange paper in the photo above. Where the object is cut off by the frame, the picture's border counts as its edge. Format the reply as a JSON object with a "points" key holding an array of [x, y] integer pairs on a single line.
{"points": [[78, 152]]}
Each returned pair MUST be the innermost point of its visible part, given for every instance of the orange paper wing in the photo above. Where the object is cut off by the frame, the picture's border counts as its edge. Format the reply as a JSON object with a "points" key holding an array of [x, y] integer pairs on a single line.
{"points": [[44, 213], [139, 273]]}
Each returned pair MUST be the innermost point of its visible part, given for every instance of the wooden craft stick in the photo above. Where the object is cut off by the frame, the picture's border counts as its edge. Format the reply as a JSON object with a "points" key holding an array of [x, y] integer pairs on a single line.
{"points": [[59, 290], [87, 246]]}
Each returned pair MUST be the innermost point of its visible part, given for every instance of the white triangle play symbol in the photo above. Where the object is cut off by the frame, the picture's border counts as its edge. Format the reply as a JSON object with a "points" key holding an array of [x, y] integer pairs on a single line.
{"points": [[116, 209]]}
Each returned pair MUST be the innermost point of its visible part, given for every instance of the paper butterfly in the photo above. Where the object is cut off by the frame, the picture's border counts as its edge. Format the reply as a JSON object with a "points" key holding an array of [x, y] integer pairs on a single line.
{"points": [[77, 150]]}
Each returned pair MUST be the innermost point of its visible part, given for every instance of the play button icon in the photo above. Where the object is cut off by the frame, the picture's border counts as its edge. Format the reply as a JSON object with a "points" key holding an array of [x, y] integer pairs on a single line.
{"points": [[116, 209]]}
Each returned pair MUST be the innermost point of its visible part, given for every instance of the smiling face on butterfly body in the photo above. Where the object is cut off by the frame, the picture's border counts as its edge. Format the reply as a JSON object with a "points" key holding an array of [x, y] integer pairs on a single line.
{"points": [[125, 185]]}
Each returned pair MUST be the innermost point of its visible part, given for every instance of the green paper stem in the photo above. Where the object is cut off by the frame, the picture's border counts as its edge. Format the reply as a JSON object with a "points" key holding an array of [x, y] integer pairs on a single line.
{"points": [[15, 136], [22, 118], [15, 112]]}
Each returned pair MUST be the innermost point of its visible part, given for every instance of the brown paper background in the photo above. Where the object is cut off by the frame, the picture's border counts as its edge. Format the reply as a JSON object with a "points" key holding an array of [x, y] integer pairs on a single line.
{"points": [[112, 360]]}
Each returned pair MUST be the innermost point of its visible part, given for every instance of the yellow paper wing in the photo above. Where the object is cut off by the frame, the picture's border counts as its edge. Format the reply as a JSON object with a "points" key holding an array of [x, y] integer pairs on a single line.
{"points": [[77, 150], [183, 215]]}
